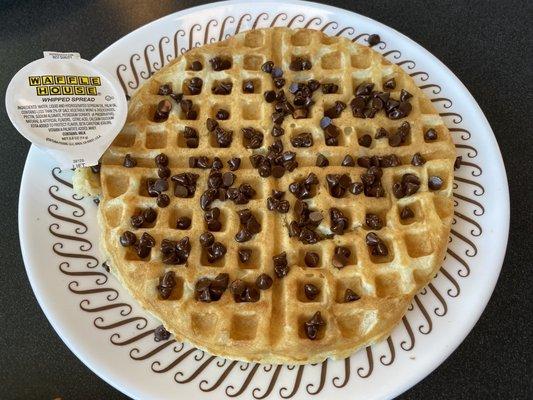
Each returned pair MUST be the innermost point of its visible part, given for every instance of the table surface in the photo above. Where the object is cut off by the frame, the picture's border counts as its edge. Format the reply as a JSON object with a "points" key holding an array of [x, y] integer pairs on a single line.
{"points": [[483, 42]]}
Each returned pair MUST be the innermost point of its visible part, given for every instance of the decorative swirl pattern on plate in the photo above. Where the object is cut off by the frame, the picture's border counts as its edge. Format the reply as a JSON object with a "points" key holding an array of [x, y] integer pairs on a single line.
{"points": [[130, 74]]}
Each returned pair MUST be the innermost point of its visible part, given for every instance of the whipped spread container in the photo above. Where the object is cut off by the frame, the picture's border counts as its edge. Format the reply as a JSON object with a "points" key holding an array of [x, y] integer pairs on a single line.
{"points": [[68, 107]]}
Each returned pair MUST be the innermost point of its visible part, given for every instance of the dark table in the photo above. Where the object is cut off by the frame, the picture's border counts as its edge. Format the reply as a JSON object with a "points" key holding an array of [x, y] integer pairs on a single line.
{"points": [[485, 43]]}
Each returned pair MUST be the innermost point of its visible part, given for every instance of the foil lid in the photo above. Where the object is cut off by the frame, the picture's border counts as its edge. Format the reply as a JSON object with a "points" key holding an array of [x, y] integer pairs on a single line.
{"points": [[67, 106]]}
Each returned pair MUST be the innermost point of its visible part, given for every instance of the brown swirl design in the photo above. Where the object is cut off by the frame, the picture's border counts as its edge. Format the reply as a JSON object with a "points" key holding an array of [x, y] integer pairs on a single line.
{"points": [[273, 380], [439, 312], [100, 280], [409, 330], [422, 328], [370, 369], [130, 74], [244, 385], [54, 230], [219, 381], [346, 379], [296, 385], [392, 356], [177, 361], [320, 386]]}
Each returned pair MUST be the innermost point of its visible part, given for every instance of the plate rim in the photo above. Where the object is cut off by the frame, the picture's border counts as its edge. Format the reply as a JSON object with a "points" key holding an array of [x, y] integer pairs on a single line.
{"points": [[489, 135]]}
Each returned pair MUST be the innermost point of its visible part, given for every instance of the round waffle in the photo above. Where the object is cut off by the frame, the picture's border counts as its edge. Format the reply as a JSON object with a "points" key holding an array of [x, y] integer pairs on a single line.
{"points": [[379, 221]]}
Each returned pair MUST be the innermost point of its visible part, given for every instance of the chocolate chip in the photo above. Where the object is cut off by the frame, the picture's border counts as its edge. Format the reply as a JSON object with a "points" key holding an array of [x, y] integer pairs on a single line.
{"points": [[390, 84], [129, 162], [336, 110], [165, 89], [243, 235], [163, 172], [245, 255], [304, 139], [356, 188], [175, 252], [350, 295], [191, 137], [216, 252], [188, 110], [329, 88], [373, 221], [408, 186], [161, 334], [341, 257], [251, 295], [278, 171], [267, 67], [365, 140], [237, 287], [277, 117], [253, 139], [222, 88], [211, 124], [96, 168], [137, 221], [167, 282], [248, 86], [404, 95], [196, 66], [219, 63], [430, 135], [263, 282], [339, 222], [177, 97], [279, 83], [183, 223], [312, 326], [161, 160], [406, 213], [276, 72], [302, 189], [311, 259], [348, 161], [217, 164], [234, 163], [376, 245], [373, 40], [321, 161], [128, 239], [364, 89], [435, 182], [337, 184], [105, 266], [160, 185], [418, 160], [300, 64], [277, 131], [381, 133], [223, 137], [162, 111], [194, 85], [181, 191], [222, 115], [281, 266], [457, 162], [207, 239], [269, 96], [311, 291], [403, 110]]}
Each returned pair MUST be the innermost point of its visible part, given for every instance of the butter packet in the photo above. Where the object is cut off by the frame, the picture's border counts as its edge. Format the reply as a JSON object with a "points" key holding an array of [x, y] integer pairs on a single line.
{"points": [[67, 106]]}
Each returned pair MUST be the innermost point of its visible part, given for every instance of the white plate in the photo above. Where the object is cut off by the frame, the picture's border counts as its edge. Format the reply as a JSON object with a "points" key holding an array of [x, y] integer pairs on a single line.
{"points": [[106, 329]]}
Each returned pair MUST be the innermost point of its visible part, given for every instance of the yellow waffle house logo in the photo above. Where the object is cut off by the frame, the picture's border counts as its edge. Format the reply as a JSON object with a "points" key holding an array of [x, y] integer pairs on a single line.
{"points": [[66, 85]]}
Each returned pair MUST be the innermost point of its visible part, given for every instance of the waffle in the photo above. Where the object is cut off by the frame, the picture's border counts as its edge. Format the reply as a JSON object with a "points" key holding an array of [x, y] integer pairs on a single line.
{"points": [[273, 329]]}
